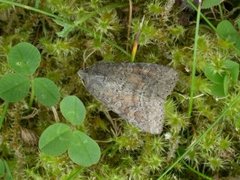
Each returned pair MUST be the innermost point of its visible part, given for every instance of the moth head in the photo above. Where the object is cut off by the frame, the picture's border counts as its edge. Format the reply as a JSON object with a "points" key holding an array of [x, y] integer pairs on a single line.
{"points": [[83, 75], [91, 80]]}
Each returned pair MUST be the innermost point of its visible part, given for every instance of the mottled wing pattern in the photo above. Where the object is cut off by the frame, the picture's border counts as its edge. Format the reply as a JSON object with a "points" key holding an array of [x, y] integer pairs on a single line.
{"points": [[156, 76], [135, 91]]}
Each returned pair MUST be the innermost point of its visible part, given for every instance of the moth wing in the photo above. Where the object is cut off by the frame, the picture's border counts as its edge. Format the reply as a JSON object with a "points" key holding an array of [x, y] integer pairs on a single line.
{"points": [[158, 78], [147, 114], [134, 91]]}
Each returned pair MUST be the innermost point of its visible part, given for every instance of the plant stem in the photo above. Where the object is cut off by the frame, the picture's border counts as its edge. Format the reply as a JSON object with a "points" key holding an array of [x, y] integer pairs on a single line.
{"points": [[2, 116], [136, 41], [205, 19], [32, 93], [129, 23], [194, 62], [115, 5], [31, 8], [197, 141], [9, 174], [197, 172], [221, 12]]}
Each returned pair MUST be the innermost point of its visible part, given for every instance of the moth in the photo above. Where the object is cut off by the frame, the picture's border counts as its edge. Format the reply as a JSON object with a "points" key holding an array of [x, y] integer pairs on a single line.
{"points": [[135, 91]]}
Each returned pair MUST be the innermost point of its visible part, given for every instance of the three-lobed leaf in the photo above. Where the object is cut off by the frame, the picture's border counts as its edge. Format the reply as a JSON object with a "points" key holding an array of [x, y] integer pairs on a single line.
{"points": [[73, 109], [24, 58], [14, 87], [233, 69], [212, 75], [218, 89], [83, 150], [210, 3], [46, 91], [2, 168], [227, 31], [55, 139], [67, 28], [238, 23], [220, 83]]}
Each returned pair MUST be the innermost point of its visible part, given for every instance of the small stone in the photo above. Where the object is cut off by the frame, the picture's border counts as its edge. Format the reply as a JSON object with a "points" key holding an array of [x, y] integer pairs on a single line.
{"points": [[135, 91]]}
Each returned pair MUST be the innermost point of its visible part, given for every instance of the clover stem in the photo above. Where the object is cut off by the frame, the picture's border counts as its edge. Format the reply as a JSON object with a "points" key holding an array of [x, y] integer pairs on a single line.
{"points": [[32, 94], [2, 116]]}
